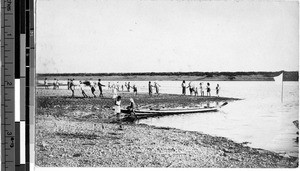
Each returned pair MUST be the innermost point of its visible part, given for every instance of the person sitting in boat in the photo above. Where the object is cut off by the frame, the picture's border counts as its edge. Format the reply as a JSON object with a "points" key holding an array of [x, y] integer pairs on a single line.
{"points": [[131, 108]]}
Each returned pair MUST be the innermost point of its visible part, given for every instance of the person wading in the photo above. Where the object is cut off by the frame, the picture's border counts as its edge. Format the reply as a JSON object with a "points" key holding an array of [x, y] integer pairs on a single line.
{"points": [[100, 87]]}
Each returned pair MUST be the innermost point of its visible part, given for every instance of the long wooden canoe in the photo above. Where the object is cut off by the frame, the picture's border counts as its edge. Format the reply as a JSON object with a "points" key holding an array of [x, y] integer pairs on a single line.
{"points": [[145, 113]]}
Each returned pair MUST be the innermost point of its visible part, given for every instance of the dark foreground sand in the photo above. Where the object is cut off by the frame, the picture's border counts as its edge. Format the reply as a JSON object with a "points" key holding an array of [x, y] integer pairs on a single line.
{"points": [[78, 132]]}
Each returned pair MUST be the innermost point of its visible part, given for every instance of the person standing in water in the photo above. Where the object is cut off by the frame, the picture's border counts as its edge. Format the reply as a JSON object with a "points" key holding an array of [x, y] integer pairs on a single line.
{"points": [[100, 87], [54, 84], [183, 85], [68, 84], [201, 90], [156, 86], [93, 88], [150, 88], [128, 86], [46, 83], [72, 87], [82, 89], [57, 84], [196, 91], [217, 90], [134, 90], [118, 86], [208, 89]]}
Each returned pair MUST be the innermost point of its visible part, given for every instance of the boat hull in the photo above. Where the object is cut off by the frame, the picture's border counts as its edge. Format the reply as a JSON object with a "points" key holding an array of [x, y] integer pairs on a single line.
{"points": [[163, 112]]}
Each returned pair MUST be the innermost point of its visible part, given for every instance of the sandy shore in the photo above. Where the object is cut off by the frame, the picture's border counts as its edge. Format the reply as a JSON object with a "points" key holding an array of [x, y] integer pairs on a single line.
{"points": [[81, 132]]}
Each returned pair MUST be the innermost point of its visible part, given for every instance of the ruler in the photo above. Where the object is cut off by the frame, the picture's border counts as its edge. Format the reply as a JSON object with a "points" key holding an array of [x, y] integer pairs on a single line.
{"points": [[17, 84]]}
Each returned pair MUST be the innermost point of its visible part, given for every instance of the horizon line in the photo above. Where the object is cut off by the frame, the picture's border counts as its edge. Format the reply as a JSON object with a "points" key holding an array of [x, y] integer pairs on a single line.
{"points": [[159, 72]]}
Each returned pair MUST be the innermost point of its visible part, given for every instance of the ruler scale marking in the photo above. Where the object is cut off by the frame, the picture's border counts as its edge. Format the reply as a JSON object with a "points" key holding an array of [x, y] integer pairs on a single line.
{"points": [[17, 56]]}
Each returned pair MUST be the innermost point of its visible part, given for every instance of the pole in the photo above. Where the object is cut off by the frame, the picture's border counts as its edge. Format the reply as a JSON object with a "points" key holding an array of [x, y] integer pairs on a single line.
{"points": [[282, 88]]}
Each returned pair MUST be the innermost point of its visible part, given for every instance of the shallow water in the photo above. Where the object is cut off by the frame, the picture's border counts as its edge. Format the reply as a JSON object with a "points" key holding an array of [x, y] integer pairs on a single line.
{"points": [[260, 118]]}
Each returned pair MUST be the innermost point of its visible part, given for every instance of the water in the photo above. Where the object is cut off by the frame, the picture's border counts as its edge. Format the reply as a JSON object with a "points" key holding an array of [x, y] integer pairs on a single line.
{"points": [[260, 118]]}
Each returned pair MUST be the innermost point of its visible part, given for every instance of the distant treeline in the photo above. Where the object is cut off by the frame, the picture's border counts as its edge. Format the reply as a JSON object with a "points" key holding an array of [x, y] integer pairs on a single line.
{"points": [[288, 75]]}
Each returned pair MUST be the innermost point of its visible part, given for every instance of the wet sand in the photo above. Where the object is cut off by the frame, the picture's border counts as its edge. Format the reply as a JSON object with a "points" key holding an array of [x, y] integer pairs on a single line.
{"points": [[77, 132]]}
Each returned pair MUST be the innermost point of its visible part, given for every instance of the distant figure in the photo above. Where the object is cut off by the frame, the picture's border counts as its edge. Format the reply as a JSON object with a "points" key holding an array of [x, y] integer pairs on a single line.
{"points": [[217, 90], [156, 86], [46, 83], [191, 87], [201, 90], [100, 87], [208, 89], [183, 85], [54, 83], [122, 87], [150, 88], [72, 87], [93, 88], [118, 86], [128, 86], [108, 85], [82, 89], [114, 92], [118, 111], [196, 91], [57, 84], [134, 90], [68, 84]]}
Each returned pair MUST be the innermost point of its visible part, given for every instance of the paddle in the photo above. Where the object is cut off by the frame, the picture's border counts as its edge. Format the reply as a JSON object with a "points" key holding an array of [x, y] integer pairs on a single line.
{"points": [[224, 104]]}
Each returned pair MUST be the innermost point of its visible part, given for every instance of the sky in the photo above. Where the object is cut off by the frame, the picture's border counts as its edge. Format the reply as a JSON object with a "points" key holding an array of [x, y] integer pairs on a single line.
{"points": [[101, 36]]}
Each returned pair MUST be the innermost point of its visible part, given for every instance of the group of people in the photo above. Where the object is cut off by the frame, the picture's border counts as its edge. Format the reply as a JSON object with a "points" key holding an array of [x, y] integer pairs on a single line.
{"points": [[194, 89], [71, 86], [156, 86], [55, 83], [116, 88]]}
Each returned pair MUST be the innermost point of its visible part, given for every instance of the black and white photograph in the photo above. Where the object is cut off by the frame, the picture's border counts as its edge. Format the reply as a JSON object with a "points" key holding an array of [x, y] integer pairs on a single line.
{"points": [[167, 84]]}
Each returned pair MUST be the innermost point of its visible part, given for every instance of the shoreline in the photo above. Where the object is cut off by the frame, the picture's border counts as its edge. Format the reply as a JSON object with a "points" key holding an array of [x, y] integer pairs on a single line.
{"points": [[65, 123]]}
